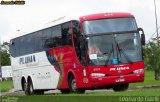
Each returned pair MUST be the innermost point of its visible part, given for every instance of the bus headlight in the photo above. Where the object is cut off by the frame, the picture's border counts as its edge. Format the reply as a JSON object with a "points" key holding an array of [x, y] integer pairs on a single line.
{"points": [[138, 71], [97, 74]]}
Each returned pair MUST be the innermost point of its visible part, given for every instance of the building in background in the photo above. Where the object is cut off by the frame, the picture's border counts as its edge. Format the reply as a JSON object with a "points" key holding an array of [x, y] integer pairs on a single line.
{"points": [[5, 72]]}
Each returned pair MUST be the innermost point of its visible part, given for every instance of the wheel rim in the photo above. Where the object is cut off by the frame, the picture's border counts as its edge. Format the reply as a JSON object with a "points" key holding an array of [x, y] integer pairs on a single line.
{"points": [[73, 85], [25, 86], [31, 89]]}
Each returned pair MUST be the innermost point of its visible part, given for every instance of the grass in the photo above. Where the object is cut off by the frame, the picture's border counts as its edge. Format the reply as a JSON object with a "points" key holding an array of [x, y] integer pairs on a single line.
{"points": [[92, 97], [143, 92], [149, 80], [6, 85], [146, 92], [63, 99]]}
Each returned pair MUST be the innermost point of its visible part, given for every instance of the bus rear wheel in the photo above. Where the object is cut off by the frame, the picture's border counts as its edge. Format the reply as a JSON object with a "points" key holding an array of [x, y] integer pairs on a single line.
{"points": [[25, 87], [72, 86], [30, 88], [39, 92], [122, 87]]}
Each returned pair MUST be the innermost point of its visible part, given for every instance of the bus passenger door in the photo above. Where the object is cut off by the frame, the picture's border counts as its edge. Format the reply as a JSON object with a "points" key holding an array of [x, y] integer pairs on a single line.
{"points": [[79, 46], [79, 43]]}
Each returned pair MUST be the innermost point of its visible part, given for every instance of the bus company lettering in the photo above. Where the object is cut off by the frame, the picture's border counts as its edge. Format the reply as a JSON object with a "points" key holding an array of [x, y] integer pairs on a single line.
{"points": [[119, 68], [27, 59]]}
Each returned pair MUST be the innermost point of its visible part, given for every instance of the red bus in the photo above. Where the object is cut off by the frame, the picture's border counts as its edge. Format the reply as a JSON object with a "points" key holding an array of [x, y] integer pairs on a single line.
{"points": [[94, 51]]}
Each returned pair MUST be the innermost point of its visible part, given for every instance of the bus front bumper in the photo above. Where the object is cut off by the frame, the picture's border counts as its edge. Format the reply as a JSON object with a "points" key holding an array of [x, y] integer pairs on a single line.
{"points": [[115, 80]]}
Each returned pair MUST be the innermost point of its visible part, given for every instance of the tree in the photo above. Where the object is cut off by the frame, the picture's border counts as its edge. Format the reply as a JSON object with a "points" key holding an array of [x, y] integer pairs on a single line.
{"points": [[4, 54], [152, 58], [5, 47], [5, 60]]}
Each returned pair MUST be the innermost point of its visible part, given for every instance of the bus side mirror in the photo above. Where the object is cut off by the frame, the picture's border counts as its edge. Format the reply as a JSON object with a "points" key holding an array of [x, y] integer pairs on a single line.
{"points": [[142, 36]]}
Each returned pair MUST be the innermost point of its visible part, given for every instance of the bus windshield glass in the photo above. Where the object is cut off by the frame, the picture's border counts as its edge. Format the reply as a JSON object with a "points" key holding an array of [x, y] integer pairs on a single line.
{"points": [[105, 49], [109, 25]]}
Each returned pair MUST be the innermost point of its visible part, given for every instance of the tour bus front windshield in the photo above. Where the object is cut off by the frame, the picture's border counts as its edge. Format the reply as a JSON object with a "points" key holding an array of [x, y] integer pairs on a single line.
{"points": [[112, 47], [106, 49]]}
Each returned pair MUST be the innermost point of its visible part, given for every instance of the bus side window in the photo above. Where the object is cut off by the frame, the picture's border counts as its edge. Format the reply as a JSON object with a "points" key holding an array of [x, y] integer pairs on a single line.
{"points": [[66, 34], [22, 44], [56, 38], [12, 48], [47, 34], [17, 47], [30, 42], [38, 41], [52, 37]]}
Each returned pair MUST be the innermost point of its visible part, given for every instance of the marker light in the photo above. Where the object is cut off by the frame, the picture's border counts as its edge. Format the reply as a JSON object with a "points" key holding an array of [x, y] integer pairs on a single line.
{"points": [[97, 74], [138, 71]]}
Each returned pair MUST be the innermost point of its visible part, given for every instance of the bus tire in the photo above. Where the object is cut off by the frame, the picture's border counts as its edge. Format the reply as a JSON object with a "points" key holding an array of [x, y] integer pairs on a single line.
{"points": [[122, 87], [65, 91], [25, 87], [39, 92], [30, 87], [72, 86]]}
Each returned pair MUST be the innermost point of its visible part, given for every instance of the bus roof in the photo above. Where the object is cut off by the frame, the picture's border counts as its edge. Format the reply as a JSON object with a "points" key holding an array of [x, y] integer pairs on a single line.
{"points": [[105, 15], [60, 20], [64, 19], [55, 22]]}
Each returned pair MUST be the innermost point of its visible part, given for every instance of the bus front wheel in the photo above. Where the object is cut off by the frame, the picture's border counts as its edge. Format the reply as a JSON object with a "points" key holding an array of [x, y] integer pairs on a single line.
{"points": [[72, 86], [122, 87], [65, 91]]}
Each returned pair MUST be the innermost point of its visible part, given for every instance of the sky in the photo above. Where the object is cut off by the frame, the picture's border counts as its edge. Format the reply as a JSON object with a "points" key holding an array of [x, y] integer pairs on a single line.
{"points": [[16, 20]]}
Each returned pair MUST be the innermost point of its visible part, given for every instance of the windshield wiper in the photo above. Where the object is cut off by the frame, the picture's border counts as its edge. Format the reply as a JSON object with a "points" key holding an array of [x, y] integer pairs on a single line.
{"points": [[109, 56], [121, 50], [125, 55]]}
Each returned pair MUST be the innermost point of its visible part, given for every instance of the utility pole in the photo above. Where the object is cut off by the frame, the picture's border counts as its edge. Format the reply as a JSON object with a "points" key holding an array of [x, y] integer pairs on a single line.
{"points": [[156, 22]]}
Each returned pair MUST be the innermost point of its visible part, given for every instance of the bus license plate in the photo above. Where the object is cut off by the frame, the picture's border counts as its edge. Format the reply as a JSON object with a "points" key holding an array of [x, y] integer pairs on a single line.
{"points": [[120, 80]]}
